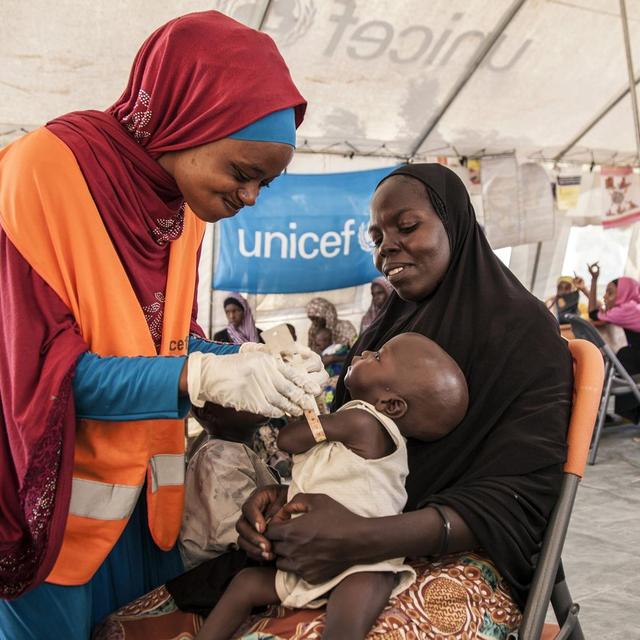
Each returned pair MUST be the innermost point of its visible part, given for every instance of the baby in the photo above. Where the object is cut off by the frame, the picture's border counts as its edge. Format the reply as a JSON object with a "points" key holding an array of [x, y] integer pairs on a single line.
{"points": [[410, 388]]}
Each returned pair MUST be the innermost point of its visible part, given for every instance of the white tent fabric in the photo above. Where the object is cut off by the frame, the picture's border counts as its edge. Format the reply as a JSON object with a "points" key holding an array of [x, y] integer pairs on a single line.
{"points": [[385, 79], [376, 73]]}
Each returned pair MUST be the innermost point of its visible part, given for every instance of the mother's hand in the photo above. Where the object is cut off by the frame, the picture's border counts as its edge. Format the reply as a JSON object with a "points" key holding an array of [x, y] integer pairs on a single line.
{"points": [[325, 540], [259, 507]]}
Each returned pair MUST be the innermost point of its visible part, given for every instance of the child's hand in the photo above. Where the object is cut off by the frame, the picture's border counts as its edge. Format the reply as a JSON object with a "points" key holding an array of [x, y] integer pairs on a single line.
{"points": [[259, 508], [288, 510]]}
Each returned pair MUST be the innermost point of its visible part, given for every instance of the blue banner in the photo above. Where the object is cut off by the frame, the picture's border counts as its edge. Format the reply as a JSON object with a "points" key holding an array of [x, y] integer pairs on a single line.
{"points": [[306, 233]]}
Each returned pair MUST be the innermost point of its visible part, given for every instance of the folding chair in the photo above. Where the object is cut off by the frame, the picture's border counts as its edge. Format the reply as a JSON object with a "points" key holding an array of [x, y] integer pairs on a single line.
{"points": [[617, 380], [588, 372]]}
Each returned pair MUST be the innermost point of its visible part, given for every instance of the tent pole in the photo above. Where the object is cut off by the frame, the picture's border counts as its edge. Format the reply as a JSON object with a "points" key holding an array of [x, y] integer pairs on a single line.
{"points": [[632, 84], [484, 50], [265, 15], [583, 132], [213, 273], [536, 262]]}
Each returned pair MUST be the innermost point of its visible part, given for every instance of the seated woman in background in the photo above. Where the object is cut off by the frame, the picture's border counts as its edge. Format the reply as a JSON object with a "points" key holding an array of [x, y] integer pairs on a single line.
{"points": [[323, 315], [566, 301], [620, 306], [241, 328], [380, 290]]}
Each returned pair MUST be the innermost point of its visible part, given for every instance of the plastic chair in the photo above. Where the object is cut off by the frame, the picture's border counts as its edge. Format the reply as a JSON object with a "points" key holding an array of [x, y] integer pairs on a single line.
{"points": [[617, 380], [588, 372]]}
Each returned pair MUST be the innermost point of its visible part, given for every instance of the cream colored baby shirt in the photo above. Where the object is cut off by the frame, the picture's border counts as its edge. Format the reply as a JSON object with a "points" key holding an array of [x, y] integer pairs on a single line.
{"points": [[369, 488]]}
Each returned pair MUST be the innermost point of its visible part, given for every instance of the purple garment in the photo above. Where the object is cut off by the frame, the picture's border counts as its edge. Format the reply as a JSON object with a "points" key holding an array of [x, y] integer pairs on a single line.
{"points": [[247, 331]]}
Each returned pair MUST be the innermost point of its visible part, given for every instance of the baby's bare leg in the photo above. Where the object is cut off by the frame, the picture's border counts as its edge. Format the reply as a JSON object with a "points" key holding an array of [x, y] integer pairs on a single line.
{"points": [[355, 604], [252, 587]]}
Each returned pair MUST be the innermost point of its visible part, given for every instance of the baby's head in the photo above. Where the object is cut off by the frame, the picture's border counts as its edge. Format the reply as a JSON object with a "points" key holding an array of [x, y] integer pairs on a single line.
{"points": [[414, 382], [324, 339]]}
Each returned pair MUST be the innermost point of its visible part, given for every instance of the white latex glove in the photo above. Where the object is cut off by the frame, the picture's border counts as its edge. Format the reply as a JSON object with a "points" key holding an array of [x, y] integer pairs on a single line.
{"points": [[257, 382], [301, 358], [301, 355]]}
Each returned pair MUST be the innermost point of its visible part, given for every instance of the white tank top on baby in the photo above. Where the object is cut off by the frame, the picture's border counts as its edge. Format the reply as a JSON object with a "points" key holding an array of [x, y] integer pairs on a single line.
{"points": [[369, 488]]}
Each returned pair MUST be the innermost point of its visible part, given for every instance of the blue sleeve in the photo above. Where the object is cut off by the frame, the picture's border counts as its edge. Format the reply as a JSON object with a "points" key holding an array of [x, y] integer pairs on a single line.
{"points": [[137, 388], [206, 346], [120, 388]]}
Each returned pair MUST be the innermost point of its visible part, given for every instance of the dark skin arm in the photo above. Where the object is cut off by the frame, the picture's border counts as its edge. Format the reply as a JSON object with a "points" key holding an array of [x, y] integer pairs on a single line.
{"points": [[355, 428], [330, 359], [328, 538], [592, 291]]}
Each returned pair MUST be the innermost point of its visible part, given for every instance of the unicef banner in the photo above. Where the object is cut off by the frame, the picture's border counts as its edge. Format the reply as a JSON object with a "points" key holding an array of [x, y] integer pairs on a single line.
{"points": [[306, 233]]}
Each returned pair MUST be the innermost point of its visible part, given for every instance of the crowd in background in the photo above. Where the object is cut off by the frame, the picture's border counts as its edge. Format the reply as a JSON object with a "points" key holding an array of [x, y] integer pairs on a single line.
{"points": [[332, 337], [620, 307], [328, 335]]}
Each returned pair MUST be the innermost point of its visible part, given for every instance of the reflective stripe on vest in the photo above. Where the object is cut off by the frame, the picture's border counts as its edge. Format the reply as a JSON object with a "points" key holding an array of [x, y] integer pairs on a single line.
{"points": [[104, 501], [166, 469]]}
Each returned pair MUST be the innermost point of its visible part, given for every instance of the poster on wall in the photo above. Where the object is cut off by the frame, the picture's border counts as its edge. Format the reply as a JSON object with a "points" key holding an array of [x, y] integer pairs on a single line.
{"points": [[620, 195], [517, 202], [305, 233], [610, 197], [567, 191]]}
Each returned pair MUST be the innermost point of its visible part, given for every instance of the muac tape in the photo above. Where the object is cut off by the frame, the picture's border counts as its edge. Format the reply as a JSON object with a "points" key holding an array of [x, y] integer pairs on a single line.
{"points": [[306, 233]]}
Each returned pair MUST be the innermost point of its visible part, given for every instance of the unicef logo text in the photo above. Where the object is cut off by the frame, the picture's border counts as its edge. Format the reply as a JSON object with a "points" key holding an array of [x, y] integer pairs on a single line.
{"points": [[292, 246], [287, 20]]}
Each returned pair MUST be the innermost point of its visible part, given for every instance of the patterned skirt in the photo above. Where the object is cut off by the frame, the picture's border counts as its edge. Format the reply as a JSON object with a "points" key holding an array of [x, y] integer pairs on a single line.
{"points": [[459, 597]]}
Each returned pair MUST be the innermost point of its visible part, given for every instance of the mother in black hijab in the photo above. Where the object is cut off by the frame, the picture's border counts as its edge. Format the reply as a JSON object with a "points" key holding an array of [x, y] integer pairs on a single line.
{"points": [[496, 477]]}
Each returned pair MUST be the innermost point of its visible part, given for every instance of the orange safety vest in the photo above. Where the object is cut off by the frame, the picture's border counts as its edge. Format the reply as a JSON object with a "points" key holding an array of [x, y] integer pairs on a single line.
{"points": [[50, 217]]}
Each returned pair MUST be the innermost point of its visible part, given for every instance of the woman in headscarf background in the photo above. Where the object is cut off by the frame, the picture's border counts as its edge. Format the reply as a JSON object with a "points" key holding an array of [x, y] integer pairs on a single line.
{"points": [[380, 291], [566, 300], [479, 498], [620, 306], [323, 315], [331, 338], [99, 266], [242, 327]]}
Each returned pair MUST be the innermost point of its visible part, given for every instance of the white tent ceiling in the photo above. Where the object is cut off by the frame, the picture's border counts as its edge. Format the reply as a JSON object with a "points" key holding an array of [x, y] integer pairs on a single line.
{"points": [[381, 76]]}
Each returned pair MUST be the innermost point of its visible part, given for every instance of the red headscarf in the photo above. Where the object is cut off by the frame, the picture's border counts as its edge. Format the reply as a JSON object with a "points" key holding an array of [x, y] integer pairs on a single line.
{"points": [[197, 79]]}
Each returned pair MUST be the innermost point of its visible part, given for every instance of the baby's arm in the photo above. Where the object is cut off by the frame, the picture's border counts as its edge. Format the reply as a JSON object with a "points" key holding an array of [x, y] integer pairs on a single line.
{"points": [[357, 429]]}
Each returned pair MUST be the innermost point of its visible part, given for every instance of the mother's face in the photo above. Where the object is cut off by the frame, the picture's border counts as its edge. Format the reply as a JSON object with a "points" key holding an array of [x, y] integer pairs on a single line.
{"points": [[412, 246]]}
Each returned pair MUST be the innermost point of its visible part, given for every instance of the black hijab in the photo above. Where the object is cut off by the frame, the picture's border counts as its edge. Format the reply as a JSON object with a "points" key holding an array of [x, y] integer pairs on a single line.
{"points": [[501, 468]]}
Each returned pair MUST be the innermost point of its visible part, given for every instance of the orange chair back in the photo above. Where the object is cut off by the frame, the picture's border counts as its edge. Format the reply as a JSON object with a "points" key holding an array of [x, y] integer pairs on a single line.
{"points": [[588, 378]]}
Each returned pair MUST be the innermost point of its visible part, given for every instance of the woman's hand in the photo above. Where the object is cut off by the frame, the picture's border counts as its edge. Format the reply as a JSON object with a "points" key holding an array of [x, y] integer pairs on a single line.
{"points": [[578, 282], [255, 381], [594, 270], [297, 356], [257, 510], [322, 542]]}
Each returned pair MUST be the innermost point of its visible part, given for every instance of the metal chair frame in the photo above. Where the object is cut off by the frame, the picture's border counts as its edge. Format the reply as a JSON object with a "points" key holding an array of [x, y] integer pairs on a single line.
{"points": [[588, 383]]}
